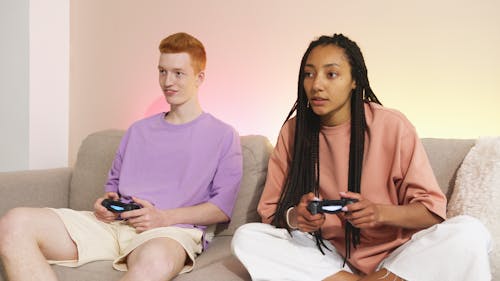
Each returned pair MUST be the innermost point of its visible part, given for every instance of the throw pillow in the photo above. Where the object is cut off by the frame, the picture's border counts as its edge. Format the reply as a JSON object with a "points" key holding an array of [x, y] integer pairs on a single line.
{"points": [[477, 191]]}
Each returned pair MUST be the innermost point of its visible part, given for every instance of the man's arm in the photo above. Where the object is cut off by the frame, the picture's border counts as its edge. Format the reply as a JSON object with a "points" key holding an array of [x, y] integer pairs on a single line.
{"points": [[150, 217], [202, 214], [113, 180], [227, 178]]}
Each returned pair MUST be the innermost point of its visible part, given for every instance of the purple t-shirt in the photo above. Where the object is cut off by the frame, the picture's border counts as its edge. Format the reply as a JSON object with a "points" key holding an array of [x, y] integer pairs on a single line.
{"points": [[182, 165]]}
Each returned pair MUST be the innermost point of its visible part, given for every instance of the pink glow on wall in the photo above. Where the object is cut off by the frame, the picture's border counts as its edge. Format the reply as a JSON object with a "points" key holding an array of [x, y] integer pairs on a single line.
{"points": [[418, 60], [232, 96], [158, 105]]}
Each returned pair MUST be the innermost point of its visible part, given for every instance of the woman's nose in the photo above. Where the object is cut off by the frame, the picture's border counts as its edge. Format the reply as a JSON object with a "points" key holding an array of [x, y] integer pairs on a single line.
{"points": [[317, 83]]}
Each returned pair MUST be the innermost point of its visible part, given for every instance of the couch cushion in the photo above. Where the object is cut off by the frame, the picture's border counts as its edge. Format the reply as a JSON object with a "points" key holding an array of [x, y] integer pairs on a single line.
{"points": [[217, 263], [90, 173], [446, 156], [227, 269], [98, 270]]}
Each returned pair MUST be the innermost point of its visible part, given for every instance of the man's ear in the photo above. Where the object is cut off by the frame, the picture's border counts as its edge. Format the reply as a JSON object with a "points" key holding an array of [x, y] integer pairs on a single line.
{"points": [[200, 77]]}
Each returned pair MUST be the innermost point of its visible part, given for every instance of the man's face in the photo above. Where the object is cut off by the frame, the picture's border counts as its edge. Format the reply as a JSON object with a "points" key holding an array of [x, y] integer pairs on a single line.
{"points": [[177, 78]]}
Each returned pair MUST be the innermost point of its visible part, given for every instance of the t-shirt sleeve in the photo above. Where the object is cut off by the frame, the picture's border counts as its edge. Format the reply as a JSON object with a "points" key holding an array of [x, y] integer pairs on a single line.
{"points": [[113, 180], [227, 178], [419, 183], [276, 175]]}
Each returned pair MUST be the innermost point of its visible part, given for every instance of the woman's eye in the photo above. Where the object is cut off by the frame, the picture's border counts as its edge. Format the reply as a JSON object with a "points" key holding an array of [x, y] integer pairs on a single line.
{"points": [[332, 74], [308, 74]]}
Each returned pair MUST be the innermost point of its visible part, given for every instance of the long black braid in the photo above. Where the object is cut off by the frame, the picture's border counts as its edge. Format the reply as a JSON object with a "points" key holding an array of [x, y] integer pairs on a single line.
{"points": [[303, 174]]}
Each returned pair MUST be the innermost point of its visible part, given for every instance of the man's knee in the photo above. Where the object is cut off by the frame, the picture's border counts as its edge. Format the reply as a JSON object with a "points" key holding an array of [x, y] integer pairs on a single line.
{"points": [[155, 268], [11, 227], [159, 266], [148, 267], [151, 261]]}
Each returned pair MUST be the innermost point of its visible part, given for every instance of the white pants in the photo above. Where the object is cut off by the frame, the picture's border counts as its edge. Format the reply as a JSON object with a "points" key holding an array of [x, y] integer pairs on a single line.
{"points": [[454, 250]]}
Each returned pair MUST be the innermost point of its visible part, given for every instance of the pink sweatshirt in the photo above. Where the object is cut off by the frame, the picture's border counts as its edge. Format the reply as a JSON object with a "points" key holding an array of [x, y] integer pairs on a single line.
{"points": [[396, 171]]}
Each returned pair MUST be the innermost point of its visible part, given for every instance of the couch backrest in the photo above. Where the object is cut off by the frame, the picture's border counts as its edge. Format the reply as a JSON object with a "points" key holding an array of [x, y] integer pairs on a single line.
{"points": [[98, 150], [256, 150], [90, 172], [446, 156]]}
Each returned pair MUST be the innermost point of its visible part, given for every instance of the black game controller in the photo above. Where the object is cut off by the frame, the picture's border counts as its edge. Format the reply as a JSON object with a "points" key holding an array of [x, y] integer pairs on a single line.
{"points": [[328, 206], [119, 207]]}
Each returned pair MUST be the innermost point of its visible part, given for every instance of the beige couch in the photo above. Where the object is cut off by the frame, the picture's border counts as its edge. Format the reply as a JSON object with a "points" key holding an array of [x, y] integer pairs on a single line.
{"points": [[78, 188]]}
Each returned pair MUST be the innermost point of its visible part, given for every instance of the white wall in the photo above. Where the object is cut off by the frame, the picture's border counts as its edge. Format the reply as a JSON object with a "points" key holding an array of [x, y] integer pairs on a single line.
{"points": [[49, 84], [14, 85], [34, 84]]}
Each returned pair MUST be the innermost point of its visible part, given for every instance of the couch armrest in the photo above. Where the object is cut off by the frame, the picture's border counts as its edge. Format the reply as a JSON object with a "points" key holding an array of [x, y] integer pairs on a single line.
{"points": [[35, 188]]}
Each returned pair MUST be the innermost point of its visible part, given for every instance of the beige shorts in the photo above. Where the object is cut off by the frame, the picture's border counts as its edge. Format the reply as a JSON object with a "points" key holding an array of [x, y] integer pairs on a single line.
{"points": [[97, 240]]}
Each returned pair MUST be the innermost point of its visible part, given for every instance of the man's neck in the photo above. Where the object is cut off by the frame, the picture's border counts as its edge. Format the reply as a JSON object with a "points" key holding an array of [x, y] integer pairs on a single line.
{"points": [[182, 114]]}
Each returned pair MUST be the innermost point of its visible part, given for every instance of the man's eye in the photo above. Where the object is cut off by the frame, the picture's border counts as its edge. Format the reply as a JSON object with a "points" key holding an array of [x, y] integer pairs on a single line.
{"points": [[162, 71], [179, 74]]}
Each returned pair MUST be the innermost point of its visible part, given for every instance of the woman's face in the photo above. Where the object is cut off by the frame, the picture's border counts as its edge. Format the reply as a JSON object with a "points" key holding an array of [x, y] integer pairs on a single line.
{"points": [[328, 84]]}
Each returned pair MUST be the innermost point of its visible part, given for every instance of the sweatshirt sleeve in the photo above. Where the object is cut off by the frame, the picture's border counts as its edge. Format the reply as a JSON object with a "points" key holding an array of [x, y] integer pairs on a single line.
{"points": [[419, 183], [276, 174]]}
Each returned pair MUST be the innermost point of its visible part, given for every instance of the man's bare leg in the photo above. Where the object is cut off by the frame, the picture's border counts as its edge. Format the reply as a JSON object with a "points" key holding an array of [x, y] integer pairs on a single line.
{"points": [[30, 236], [158, 259]]}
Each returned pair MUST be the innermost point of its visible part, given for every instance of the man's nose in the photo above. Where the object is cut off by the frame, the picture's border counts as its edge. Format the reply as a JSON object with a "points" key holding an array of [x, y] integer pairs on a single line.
{"points": [[167, 79]]}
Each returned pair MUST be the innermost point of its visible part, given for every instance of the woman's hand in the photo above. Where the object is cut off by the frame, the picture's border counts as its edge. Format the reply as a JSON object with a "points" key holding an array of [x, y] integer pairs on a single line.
{"points": [[361, 214], [101, 212], [302, 219], [366, 214]]}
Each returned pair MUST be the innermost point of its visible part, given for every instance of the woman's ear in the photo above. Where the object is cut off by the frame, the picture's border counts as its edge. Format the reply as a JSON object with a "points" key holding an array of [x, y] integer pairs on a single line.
{"points": [[353, 85]]}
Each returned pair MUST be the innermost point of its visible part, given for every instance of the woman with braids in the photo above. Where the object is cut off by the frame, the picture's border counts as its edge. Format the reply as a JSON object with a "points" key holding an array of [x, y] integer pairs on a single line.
{"points": [[342, 143]]}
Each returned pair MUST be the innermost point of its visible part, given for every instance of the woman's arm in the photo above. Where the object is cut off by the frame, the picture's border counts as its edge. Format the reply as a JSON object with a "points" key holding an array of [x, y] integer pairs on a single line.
{"points": [[365, 214], [412, 216]]}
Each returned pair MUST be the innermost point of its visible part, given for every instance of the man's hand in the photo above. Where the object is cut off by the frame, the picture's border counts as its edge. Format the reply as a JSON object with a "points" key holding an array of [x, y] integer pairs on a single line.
{"points": [[101, 212], [146, 218], [302, 218]]}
